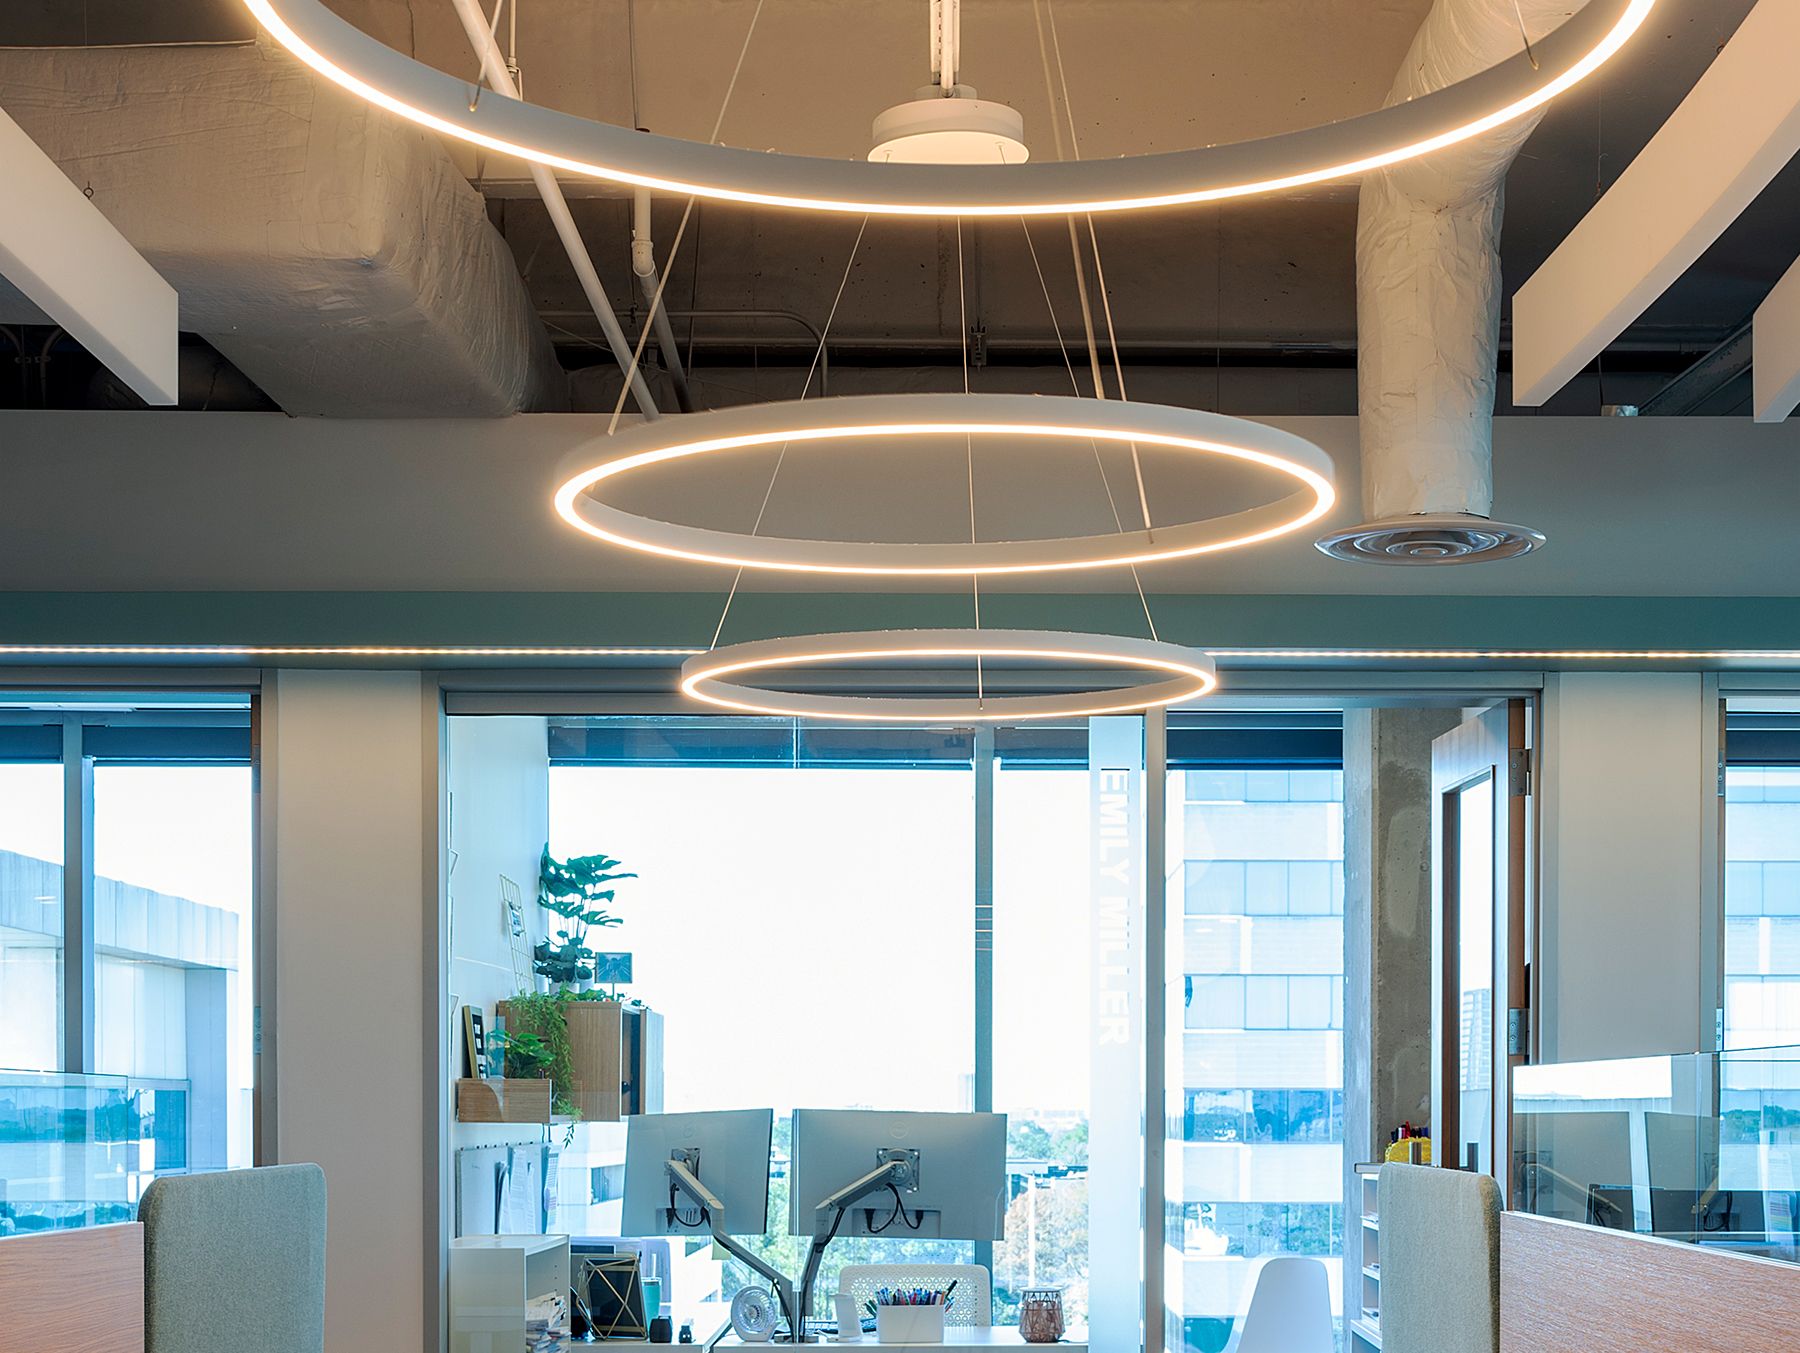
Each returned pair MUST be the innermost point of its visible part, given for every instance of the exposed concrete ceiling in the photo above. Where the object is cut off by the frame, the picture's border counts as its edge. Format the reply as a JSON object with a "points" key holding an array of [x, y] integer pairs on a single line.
{"points": [[1260, 284]]}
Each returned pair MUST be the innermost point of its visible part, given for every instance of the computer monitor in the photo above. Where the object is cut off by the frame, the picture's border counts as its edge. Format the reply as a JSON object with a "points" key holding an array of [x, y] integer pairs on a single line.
{"points": [[955, 1163], [728, 1151]]}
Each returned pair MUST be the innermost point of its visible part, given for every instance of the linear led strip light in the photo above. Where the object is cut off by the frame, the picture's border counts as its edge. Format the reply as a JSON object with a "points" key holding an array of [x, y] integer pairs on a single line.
{"points": [[848, 423], [374, 71], [719, 677], [1787, 657]]}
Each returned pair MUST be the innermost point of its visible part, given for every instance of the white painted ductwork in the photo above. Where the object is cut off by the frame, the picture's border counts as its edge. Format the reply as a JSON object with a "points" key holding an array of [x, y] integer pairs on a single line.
{"points": [[1428, 300], [333, 252]]}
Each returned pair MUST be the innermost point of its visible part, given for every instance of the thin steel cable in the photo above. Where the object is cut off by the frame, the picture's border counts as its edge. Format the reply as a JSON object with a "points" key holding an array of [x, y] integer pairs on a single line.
{"points": [[637, 354], [1039, 9], [1075, 385], [780, 456], [1112, 338], [962, 303], [1087, 314]]}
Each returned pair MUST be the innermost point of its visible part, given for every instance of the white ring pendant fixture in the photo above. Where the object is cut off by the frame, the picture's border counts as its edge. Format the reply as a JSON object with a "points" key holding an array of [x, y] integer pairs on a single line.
{"points": [[719, 677], [374, 71], [1303, 473]]}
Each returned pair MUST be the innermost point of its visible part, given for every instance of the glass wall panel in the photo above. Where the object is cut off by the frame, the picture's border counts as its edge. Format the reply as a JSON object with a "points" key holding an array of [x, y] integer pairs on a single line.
{"points": [[1043, 1027], [1762, 906], [31, 915], [172, 929], [805, 929], [1256, 1107]]}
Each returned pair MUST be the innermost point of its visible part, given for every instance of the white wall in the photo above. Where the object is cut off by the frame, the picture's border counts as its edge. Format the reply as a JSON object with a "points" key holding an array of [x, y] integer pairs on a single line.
{"points": [[344, 820], [1630, 817]]}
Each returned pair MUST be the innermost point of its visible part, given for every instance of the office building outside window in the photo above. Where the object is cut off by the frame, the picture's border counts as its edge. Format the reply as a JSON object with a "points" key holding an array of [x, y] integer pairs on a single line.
{"points": [[1762, 906], [1256, 926]]}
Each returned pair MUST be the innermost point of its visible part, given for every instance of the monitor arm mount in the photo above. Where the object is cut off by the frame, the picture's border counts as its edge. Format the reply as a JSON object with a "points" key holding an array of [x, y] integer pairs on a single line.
{"points": [[684, 1179], [897, 1169]]}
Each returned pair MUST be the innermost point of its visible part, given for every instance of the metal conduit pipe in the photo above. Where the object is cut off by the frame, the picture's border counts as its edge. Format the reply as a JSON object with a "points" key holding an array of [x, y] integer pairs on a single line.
{"points": [[643, 266], [499, 79]]}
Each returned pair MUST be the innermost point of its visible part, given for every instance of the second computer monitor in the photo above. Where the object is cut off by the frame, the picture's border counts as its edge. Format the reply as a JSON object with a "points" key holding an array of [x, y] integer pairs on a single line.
{"points": [[960, 1192], [731, 1149]]}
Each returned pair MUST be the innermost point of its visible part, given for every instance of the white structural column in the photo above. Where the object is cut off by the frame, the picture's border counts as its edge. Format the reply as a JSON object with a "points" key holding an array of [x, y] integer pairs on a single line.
{"points": [[71, 262], [1734, 132], [1775, 351], [354, 942]]}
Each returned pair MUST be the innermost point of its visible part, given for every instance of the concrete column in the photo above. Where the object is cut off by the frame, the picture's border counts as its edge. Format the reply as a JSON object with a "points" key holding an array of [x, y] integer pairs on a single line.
{"points": [[1387, 940]]}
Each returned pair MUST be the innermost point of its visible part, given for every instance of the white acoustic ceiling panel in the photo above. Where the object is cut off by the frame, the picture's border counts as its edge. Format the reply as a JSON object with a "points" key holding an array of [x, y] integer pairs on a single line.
{"points": [[1775, 351], [67, 258], [1733, 133]]}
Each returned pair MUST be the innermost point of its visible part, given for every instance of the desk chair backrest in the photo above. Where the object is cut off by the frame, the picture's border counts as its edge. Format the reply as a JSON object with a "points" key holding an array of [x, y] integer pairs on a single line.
{"points": [[971, 1304], [1440, 1260], [1288, 1311], [235, 1262]]}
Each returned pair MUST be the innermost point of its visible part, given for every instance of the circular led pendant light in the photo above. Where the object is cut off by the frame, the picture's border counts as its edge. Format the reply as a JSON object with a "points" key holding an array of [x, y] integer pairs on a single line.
{"points": [[718, 677], [369, 68], [1302, 470]]}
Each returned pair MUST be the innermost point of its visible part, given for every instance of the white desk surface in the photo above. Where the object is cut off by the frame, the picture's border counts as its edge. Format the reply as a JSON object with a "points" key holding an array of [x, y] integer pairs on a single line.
{"points": [[957, 1339]]}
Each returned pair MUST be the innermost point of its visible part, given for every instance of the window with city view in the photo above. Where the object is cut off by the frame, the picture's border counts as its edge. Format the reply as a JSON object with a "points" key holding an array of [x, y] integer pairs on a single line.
{"points": [[1762, 906], [163, 1081], [1256, 920]]}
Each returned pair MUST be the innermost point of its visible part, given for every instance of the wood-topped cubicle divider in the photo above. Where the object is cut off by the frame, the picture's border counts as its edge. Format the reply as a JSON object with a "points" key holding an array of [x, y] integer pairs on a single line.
{"points": [[79, 1291], [1569, 1288]]}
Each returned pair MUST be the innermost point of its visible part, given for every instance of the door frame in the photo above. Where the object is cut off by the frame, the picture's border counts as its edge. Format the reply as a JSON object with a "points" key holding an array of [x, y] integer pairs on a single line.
{"points": [[1492, 743]]}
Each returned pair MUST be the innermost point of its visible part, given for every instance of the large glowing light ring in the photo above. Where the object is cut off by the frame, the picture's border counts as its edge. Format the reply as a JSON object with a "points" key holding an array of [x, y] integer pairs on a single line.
{"points": [[718, 677], [855, 419], [369, 68]]}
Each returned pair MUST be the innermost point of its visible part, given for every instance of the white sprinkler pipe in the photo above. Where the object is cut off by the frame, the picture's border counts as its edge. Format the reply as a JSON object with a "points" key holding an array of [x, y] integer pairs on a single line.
{"points": [[499, 78]]}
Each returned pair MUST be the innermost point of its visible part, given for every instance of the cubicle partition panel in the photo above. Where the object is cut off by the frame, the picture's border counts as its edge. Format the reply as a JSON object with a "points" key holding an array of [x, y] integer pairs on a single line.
{"points": [[1570, 1288], [74, 1291]]}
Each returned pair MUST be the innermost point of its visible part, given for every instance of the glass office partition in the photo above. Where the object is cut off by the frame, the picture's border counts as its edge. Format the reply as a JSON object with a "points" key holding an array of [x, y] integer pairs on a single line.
{"points": [[1255, 1116], [1700, 1148], [801, 918], [838, 917], [31, 908], [79, 1150]]}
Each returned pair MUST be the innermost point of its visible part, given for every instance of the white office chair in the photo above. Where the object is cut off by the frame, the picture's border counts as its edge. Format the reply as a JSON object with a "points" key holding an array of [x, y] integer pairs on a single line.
{"points": [[971, 1304], [1288, 1309]]}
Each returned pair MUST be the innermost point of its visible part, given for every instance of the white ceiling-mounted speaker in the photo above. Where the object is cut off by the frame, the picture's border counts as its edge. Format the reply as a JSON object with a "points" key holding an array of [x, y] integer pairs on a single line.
{"points": [[935, 128]]}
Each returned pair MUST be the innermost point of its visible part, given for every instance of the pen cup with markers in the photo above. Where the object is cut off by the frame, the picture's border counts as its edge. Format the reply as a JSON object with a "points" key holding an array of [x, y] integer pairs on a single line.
{"points": [[910, 1317]]}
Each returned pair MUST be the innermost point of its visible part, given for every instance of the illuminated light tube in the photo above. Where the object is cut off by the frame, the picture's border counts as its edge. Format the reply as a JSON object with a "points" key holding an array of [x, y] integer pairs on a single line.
{"points": [[717, 677], [856, 418], [445, 103], [332, 651]]}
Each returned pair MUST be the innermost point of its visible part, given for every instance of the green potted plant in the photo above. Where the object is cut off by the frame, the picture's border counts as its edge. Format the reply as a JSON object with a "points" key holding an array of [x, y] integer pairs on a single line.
{"points": [[577, 890], [593, 1038]]}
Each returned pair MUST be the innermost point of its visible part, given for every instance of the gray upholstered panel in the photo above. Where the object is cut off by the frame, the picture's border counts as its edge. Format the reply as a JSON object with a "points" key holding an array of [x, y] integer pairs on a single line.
{"points": [[235, 1262], [1440, 1261]]}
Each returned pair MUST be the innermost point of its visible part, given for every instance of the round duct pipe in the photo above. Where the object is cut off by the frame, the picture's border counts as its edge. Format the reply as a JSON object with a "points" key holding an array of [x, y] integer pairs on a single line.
{"points": [[1428, 296]]}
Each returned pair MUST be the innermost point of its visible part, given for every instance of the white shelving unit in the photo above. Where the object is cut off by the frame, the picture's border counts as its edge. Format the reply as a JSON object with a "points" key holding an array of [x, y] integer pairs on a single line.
{"points": [[493, 1279], [1365, 1329]]}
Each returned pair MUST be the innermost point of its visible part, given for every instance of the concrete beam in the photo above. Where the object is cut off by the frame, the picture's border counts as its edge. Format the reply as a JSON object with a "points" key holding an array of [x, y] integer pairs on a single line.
{"points": [[1732, 134]]}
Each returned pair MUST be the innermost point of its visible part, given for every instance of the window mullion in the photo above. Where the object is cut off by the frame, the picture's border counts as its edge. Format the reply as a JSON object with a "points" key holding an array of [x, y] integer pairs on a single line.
{"points": [[78, 901]]}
